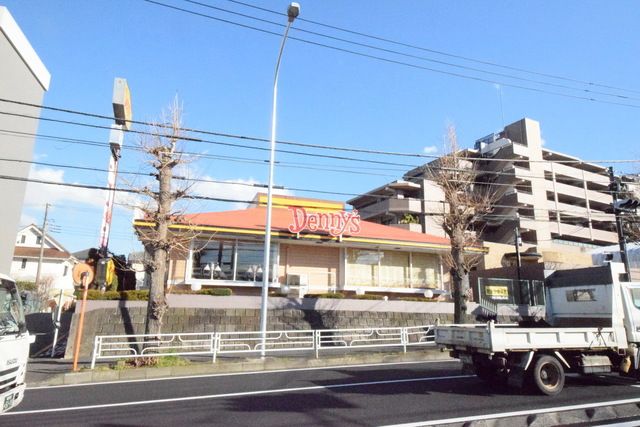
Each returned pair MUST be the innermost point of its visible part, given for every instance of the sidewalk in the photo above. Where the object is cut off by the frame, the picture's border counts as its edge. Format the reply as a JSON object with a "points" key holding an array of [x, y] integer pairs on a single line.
{"points": [[47, 372]]}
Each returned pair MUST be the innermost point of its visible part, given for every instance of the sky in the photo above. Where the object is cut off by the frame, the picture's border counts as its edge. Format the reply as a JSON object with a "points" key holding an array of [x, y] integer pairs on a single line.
{"points": [[452, 62]]}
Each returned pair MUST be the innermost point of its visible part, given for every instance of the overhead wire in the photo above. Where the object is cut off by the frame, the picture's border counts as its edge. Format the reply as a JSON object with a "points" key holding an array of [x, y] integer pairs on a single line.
{"points": [[397, 62], [439, 52], [594, 212], [407, 55], [257, 139]]}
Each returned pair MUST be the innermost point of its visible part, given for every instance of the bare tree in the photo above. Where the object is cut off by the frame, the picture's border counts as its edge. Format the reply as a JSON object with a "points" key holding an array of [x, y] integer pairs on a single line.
{"points": [[161, 147], [466, 200]]}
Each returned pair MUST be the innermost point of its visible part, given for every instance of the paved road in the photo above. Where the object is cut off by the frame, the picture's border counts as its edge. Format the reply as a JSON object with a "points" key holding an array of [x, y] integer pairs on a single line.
{"points": [[345, 396]]}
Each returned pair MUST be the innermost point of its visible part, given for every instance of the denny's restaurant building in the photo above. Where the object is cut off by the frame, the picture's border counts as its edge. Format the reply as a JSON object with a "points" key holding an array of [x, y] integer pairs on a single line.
{"points": [[315, 244]]}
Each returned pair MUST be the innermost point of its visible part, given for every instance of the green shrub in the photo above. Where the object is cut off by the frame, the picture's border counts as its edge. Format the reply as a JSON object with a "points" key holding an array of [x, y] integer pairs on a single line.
{"points": [[216, 292], [26, 286], [95, 294], [416, 299], [369, 296], [334, 295]]}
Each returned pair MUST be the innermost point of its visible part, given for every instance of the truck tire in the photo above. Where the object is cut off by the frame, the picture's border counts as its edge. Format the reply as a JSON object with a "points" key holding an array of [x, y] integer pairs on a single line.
{"points": [[548, 375]]}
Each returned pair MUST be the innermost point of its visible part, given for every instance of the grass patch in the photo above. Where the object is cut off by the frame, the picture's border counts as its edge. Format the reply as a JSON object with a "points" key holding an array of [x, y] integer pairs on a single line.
{"points": [[369, 297], [146, 362]]}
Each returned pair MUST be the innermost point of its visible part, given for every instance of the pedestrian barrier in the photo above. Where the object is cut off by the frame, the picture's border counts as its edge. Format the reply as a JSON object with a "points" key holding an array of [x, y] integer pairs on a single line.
{"points": [[113, 347]]}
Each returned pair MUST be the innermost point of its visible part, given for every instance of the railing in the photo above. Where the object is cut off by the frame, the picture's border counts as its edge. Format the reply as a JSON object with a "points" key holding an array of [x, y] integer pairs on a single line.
{"points": [[212, 344]]}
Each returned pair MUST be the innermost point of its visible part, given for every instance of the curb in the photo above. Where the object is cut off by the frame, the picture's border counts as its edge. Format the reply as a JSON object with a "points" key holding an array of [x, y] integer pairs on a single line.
{"points": [[235, 365]]}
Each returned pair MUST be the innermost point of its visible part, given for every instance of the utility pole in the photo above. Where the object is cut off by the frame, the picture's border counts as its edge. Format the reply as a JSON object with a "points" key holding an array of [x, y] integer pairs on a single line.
{"points": [[44, 234], [614, 186]]}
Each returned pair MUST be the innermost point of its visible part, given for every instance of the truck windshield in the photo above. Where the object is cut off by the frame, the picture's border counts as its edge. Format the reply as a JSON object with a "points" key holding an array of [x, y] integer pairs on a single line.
{"points": [[635, 296], [11, 314]]}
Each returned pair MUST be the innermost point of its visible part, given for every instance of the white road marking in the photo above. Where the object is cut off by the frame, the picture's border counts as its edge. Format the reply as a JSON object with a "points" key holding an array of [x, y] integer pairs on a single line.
{"points": [[225, 374], [238, 394], [514, 414]]}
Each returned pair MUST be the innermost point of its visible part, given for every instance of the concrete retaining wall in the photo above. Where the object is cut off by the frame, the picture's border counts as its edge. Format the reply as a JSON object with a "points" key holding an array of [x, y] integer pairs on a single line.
{"points": [[200, 313]]}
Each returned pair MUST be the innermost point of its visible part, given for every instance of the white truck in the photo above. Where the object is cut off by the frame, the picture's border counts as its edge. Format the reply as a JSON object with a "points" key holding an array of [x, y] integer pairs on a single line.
{"points": [[14, 345], [592, 326]]}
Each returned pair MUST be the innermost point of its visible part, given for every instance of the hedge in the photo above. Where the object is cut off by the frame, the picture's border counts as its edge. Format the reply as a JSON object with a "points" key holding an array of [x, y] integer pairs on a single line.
{"points": [[334, 295], [143, 294]]}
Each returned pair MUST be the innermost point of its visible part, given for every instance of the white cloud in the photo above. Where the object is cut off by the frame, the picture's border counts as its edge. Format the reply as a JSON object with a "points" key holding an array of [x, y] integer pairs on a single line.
{"points": [[38, 194], [26, 219], [432, 149]]}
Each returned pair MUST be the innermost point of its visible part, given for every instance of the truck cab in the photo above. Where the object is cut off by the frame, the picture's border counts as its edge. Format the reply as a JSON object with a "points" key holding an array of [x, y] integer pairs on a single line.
{"points": [[14, 345]]}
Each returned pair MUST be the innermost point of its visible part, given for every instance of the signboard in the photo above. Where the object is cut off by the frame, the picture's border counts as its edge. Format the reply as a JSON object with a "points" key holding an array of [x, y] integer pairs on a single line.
{"points": [[497, 292], [122, 103], [334, 223]]}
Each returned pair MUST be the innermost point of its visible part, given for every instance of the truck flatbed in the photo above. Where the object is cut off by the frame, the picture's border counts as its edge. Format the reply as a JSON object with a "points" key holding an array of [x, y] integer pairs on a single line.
{"points": [[493, 338]]}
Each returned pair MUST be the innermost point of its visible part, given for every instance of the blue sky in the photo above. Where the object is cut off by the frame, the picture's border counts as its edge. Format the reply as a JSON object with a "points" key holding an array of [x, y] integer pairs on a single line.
{"points": [[223, 75]]}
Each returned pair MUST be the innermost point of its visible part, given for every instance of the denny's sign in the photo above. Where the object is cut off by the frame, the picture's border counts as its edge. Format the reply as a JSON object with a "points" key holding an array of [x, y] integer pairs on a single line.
{"points": [[334, 223]]}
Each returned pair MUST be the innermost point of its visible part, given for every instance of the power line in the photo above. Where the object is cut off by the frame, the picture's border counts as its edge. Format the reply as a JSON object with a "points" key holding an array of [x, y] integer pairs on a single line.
{"points": [[407, 55], [439, 52], [257, 139], [311, 166], [397, 62], [594, 212]]}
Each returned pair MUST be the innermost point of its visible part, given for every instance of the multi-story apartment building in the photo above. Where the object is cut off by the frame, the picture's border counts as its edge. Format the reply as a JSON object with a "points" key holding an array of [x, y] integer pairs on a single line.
{"points": [[554, 199]]}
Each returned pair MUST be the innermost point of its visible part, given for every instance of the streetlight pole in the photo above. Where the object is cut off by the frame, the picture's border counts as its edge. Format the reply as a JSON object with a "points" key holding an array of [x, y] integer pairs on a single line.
{"points": [[292, 12]]}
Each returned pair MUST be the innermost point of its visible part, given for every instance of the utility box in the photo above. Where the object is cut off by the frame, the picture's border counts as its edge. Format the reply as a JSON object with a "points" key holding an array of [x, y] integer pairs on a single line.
{"points": [[298, 285]]}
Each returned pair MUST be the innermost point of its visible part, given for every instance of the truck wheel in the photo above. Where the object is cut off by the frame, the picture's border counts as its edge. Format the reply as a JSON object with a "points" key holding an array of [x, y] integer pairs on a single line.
{"points": [[548, 375], [485, 373]]}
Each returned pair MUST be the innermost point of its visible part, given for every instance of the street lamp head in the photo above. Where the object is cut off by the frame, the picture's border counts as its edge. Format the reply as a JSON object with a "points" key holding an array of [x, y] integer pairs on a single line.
{"points": [[293, 11]]}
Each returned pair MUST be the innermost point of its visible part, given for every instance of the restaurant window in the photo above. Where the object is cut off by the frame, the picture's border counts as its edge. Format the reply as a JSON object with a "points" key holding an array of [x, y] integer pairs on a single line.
{"points": [[231, 260], [394, 269], [424, 270], [362, 267], [391, 269]]}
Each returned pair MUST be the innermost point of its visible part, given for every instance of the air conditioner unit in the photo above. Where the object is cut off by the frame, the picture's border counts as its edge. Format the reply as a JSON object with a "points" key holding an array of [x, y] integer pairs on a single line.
{"points": [[298, 285]]}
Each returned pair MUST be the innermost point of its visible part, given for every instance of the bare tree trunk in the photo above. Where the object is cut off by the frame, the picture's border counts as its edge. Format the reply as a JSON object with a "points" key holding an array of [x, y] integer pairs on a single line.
{"points": [[459, 280], [157, 302]]}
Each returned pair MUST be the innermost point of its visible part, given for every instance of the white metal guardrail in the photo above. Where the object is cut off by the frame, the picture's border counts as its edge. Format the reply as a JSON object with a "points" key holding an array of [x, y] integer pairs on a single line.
{"points": [[113, 347]]}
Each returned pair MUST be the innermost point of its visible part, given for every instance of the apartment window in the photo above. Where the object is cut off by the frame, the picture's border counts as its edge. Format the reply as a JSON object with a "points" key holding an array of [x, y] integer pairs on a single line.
{"points": [[23, 238], [38, 240], [24, 264]]}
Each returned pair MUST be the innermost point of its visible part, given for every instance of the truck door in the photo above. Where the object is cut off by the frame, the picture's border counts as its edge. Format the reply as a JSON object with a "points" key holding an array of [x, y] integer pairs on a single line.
{"points": [[631, 295]]}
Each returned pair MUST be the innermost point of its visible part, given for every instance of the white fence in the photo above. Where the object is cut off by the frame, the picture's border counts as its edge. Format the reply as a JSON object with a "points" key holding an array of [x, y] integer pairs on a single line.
{"points": [[113, 347]]}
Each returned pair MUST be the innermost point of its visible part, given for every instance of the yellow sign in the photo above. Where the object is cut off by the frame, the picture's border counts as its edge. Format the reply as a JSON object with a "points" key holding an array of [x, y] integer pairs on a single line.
{"points": [[497, 292]]}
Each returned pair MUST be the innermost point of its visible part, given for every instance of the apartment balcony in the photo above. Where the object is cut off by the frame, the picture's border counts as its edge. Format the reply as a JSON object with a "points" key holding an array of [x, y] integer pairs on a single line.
{"points": [[583, 233], [578, 211], [579, 174], [578, 193], [391, 206]]}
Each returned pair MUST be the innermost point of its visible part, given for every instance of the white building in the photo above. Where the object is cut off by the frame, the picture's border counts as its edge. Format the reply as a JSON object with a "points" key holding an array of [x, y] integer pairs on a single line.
{"points": [[23, 77], [57, 262]]}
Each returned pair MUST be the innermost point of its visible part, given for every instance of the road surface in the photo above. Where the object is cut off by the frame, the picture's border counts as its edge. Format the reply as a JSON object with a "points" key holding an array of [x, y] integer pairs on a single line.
{"points": [[389, 394]]}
